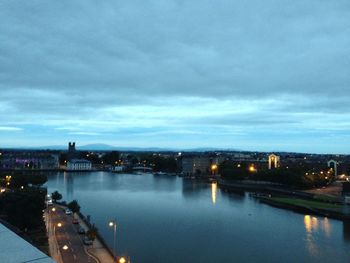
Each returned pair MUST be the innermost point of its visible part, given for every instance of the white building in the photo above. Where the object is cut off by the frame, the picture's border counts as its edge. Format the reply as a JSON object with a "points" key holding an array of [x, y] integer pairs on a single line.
{"points": [[274, 161], [78, 165]]}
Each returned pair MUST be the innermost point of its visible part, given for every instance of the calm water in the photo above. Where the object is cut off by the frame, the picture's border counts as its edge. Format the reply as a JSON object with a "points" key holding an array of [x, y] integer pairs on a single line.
{"points": [[167, 219]]}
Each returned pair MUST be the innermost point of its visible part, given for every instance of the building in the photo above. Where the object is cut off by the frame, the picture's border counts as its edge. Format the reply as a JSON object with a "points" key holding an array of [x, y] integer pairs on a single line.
{"points": [[274, 161], [79, 165], [72, 152], [15, 249], [196, 165], [40, 160], [333, 165]]}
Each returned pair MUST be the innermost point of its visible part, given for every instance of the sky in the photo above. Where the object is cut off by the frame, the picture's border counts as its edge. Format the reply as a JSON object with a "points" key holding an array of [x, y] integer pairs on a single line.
{"points": [[252, 75]]}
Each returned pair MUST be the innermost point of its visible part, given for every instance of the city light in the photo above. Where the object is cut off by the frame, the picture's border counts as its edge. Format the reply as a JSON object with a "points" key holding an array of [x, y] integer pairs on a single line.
{"points": [[65, 247], [59, 224], [122, 260], [114, 225], [252, 169], [53, 209]]}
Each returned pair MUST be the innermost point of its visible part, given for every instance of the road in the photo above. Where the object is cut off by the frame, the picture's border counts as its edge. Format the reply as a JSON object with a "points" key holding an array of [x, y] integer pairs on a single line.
{"points": [[67, 242]]}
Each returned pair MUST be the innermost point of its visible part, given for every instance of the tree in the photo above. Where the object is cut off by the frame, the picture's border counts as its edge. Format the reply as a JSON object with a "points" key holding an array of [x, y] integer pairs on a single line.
{"points": [[37, 179], [111, 158], [23, 209], [92, 232], [56, 196], [74, 206], [20, 178], [233, 171]]}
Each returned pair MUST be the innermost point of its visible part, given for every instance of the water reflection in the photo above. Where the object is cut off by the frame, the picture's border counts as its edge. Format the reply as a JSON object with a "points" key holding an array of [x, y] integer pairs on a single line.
{"points": [[214, 188], [178, 213], [326, 226], [68, 183], [346, 230], [311, 225], [191, 188]]}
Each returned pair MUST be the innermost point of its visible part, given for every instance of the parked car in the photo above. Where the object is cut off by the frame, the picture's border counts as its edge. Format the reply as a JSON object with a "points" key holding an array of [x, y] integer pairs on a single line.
{"points": [[49, 202], [81, 230], [75, 221], [87, 241], [68, 211]]}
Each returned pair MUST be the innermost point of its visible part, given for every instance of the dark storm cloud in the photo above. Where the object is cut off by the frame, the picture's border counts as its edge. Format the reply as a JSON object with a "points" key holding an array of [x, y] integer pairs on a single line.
{"points": [[238, 63]]}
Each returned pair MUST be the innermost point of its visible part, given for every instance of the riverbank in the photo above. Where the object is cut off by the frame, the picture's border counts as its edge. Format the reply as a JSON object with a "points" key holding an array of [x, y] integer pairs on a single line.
{"points": [[99, 249], [335, 211], [299, 201]]}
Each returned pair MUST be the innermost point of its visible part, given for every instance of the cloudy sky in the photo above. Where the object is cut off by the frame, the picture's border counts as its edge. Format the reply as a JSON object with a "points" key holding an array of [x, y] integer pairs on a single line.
{"points": [[253, 75]]}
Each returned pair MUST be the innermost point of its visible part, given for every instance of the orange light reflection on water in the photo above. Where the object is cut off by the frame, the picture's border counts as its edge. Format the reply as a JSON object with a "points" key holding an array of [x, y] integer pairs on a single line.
{"points": [[214, 189], [313, 226]]}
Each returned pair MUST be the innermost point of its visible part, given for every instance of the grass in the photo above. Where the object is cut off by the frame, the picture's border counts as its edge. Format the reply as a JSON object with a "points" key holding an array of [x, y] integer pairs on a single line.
{"points": [[305, 203], [326, 198]]}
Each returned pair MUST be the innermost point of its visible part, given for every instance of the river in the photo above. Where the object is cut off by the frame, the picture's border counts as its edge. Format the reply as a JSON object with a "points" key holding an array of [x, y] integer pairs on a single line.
{"points": [[164, 219]]}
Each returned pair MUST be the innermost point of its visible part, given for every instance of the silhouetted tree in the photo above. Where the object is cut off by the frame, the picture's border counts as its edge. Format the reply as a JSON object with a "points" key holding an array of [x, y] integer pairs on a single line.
{"points": [[56, 196], [74, 206], [92, 232], [111, 157]]}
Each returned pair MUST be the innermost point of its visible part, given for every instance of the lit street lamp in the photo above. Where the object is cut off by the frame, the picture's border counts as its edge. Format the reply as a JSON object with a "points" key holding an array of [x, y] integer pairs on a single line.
{"points": [[114, 225], [214, 167]]}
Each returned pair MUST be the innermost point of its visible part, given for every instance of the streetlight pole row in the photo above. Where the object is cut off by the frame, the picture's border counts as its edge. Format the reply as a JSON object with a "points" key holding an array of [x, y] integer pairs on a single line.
{"points": [[114, 225]]}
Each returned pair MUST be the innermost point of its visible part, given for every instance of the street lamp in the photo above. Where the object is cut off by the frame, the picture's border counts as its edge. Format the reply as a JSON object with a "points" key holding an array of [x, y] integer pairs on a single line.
{"points": [[114, 225], [122, 260], [65, 247], [214, 167]]}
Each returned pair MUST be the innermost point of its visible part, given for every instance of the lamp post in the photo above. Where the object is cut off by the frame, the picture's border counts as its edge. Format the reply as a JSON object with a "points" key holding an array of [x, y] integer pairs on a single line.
{"points": [[114, 225], [214, 167]]}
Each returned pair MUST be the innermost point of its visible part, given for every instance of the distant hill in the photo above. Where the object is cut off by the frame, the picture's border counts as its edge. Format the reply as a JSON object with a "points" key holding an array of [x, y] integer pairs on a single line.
{"points": [[107, 147]]}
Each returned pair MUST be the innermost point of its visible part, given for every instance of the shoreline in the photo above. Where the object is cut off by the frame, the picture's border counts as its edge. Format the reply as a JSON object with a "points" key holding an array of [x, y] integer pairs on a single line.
{"points": [[279, 190]]}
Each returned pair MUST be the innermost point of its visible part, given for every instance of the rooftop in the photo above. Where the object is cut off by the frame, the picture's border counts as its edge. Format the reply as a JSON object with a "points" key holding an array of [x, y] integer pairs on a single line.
{"points": [[15, 249]]}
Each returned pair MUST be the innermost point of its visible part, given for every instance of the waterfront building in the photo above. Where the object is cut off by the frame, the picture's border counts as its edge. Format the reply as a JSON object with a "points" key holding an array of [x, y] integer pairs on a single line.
{"points": [[196, 165], [79, 165], [119, 169], [41, 160]]}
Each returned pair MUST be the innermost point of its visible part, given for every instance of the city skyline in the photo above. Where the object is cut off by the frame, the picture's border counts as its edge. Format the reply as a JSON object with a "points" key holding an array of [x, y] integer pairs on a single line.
{"points": [[251, 76]]}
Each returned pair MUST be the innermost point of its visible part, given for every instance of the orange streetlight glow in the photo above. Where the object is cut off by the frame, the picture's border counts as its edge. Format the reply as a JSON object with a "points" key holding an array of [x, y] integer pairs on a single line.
{"points": [[252, 168]]}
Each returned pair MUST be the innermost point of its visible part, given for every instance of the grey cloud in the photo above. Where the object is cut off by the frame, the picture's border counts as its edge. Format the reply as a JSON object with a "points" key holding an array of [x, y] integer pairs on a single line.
{"points": [[70, 60]]}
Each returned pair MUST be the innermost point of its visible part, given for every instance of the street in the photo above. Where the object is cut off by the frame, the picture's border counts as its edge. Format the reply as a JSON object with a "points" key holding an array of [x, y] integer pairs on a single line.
{"points": [[65, 243]]}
